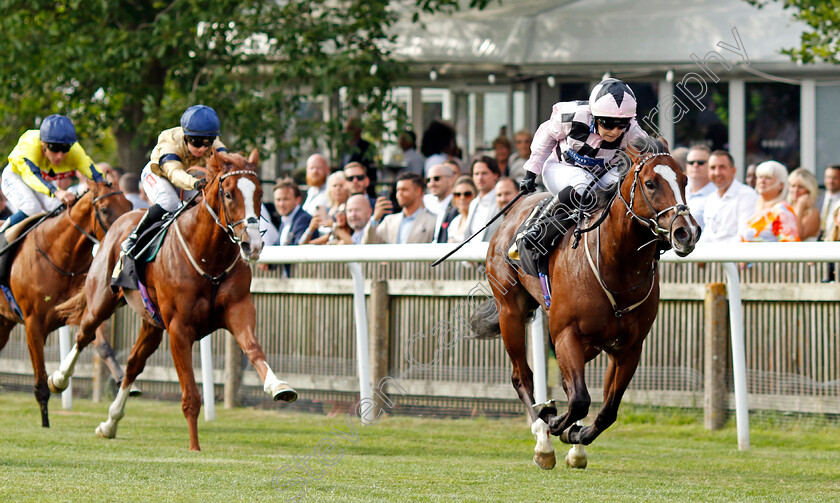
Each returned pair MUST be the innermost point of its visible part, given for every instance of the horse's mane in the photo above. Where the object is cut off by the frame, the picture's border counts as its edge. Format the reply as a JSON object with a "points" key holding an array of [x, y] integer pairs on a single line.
{"points": [[648, 145]]}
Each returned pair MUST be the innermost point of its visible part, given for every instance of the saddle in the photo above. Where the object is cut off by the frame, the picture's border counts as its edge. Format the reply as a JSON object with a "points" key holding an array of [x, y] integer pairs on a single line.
{"points": [[533, 256], [8, 247], [132, 268]]}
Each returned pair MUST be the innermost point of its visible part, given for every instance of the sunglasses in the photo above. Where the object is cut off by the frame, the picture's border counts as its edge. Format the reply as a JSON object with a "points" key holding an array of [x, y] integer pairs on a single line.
{"points": [[62, 148], [696, 162], [355, 178], [613, 123], [468, 193], [435, 178], [201, 141]]}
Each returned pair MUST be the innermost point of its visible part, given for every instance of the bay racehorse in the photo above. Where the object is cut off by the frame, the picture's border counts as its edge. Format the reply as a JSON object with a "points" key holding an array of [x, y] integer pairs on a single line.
{"points": [[604, 295], [198, 283], [50, 265]]}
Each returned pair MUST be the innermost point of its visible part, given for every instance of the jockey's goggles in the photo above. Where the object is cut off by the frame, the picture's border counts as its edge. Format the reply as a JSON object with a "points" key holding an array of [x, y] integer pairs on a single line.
{"points": [[201, 141], [61, 148], [613, 123]]}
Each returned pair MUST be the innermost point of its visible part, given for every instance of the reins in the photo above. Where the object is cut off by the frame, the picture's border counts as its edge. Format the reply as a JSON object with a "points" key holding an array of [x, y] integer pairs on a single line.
{"points": [[86, 234]]}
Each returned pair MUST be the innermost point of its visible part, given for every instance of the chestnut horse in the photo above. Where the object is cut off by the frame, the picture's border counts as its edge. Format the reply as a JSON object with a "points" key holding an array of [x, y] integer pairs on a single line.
{"points": [[605, 295], [49, 267], [198, 283]]}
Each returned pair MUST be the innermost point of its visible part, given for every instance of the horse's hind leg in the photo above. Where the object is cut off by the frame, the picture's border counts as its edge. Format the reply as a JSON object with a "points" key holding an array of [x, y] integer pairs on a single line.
{"points": [[106, 353], [618, 376], [512, 316], [99, 307], [240, 319], [148, 341]]}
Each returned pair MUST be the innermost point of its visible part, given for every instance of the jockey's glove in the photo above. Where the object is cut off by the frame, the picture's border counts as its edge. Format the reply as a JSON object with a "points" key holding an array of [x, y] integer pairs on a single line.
{"points": [[529, 183], [200, 184]]}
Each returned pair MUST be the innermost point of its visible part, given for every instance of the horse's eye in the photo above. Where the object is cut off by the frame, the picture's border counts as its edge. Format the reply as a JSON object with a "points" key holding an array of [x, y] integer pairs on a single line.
{"points": [[650, 184], [228, 196]]}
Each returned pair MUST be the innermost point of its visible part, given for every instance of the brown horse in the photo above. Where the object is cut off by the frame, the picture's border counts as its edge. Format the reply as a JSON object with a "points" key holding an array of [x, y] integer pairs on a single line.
{"points": [[198, 283], [49, 266], [604, 296]]}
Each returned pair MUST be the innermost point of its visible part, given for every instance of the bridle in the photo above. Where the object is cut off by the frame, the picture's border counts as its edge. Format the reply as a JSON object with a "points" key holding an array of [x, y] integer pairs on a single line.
{"points": [[97, 217], [88, 235], [230, 228], [660, 233]]}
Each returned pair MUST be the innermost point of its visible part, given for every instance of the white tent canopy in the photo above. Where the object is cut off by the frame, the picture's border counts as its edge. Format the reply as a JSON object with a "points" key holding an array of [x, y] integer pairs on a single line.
{"points": [[534, 33]]}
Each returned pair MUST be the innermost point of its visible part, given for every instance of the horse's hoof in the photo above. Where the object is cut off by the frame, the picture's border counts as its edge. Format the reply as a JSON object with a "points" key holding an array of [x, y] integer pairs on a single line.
{"points": [[576, 457], [102, 431], [545, 460], [134, 390], [53, 387], [287, 395]]}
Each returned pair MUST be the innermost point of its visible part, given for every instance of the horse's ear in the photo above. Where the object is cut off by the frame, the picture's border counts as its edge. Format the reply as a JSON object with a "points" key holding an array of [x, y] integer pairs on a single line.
{"points": [[664, 142], [214, 164], [254, 158], [90, 183]]}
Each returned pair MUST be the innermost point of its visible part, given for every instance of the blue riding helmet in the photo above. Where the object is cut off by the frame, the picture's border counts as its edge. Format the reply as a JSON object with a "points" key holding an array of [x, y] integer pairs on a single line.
{"points": [[200, 120], [58, 129]]}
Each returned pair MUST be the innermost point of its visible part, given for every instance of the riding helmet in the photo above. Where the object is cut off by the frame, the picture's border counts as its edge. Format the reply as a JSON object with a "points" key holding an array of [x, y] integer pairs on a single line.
{"points": [[58, 129], [200, 120], [612, 98]]}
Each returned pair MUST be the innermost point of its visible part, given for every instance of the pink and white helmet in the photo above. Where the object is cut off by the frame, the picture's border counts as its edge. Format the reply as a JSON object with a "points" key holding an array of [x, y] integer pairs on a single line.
{"points": [[612, 98]]}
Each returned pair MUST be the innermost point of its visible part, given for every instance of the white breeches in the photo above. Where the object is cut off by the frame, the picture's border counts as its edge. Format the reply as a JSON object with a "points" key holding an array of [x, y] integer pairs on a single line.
{"points": [[557, 176], [160, 190], [23, 197]]}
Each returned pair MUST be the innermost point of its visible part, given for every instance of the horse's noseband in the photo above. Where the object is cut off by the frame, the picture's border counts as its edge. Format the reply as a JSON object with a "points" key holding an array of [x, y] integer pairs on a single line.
{"points": [[230, 228], [679, 210]]}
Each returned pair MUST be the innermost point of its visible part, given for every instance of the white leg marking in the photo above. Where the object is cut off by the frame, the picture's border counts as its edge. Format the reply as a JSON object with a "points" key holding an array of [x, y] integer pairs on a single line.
{"points": [[540, 430], [66, 368], [116, 411]]}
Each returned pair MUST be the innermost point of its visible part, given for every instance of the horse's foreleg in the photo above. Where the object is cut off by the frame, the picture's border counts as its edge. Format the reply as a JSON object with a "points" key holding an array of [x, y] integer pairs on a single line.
{"points": [[181, 341], [35, 342], [240, 320], [571, 358], [148, 341], [619, 374]]}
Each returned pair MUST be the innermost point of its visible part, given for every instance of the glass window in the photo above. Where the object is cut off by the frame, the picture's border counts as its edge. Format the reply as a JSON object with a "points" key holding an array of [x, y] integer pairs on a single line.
{"points": [[828, 109], [706, 119], [772, 123]]}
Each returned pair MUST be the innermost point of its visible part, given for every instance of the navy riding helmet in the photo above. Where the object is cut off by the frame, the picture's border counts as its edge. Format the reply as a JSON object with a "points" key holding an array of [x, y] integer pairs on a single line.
{"points": [[200, 120], [58, 129]]}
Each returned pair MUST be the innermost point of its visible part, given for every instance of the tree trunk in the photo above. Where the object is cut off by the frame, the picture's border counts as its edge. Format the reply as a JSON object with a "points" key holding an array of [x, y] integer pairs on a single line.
{"points": [[132, 159]]}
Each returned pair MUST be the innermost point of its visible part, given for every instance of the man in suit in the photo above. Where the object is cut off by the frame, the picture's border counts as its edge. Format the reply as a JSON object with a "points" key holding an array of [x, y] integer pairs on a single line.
{"points": [[414, 224], [440, 181], [293, 220]]}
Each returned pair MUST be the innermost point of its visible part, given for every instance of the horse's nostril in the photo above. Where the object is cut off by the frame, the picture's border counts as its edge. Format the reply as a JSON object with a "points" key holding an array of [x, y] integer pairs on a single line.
{"points": [[681, 235]]}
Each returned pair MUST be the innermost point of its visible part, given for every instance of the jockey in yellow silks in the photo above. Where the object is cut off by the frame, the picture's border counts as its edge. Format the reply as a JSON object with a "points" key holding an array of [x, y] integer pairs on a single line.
{"points": [[41, 157]]}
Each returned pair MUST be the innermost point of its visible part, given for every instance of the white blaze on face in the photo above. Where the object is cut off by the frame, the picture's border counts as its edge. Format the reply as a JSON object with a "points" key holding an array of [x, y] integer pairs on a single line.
{"points": [[247, 188], [668, 174]]}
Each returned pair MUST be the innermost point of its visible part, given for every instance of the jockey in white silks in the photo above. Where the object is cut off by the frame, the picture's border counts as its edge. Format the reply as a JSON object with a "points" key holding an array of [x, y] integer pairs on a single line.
{"points": [[573, 151]]}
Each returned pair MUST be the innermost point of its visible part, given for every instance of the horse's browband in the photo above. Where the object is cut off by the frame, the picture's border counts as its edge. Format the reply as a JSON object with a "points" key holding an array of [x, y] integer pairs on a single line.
{"points": [[239, 172]]}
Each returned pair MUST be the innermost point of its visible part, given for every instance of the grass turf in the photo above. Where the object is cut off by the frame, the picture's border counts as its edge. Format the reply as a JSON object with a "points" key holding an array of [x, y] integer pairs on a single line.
{"points": [[269, 455]]}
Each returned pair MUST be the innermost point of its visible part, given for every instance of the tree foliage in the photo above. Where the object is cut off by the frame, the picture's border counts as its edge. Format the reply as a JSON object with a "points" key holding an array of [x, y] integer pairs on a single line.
{"points": [[135, 65], [822, 44]]}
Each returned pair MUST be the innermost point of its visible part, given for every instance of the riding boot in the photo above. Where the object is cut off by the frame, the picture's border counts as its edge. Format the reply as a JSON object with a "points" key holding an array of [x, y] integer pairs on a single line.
{"points": [[540, 232], [153, 214], [12, 220]]}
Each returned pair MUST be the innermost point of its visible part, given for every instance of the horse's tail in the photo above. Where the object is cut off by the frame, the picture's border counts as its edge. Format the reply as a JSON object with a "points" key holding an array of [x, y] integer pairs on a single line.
{"points": [[72, 308], [484, 323]]}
